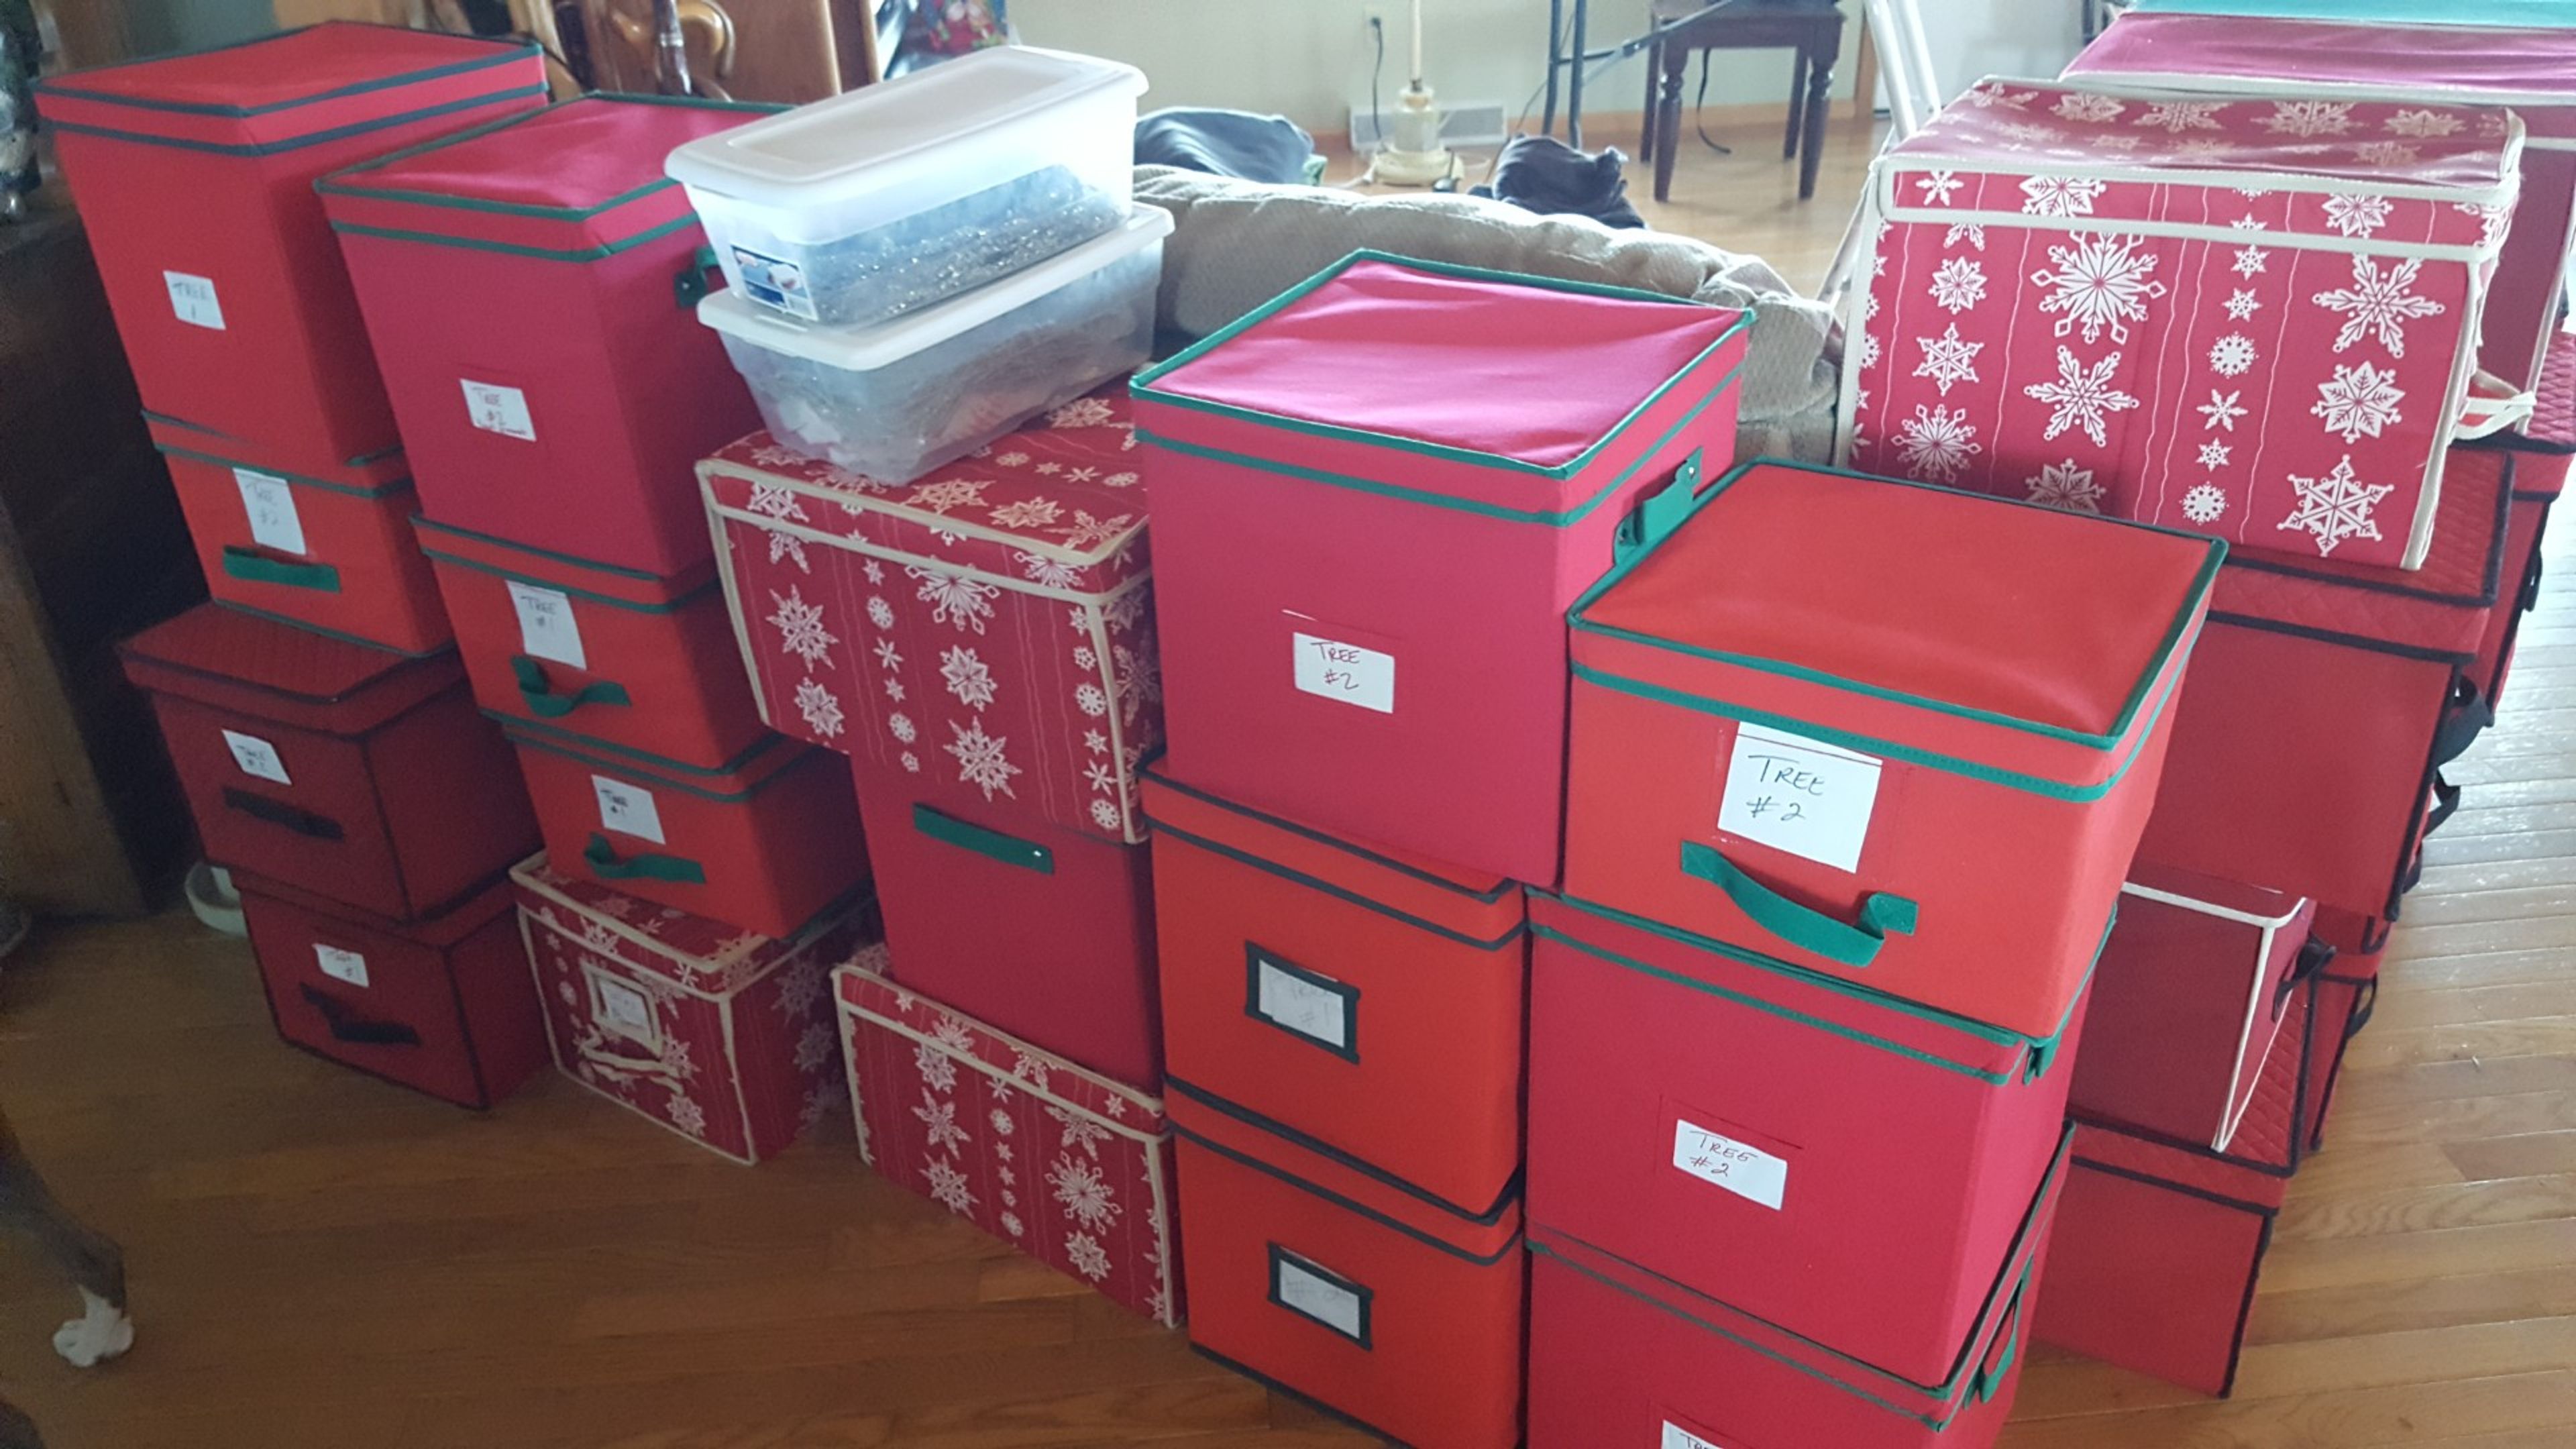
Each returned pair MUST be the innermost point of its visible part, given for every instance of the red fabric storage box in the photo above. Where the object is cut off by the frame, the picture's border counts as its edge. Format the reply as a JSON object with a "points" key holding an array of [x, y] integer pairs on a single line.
{"points": [[2347, 994], [530, 288], [1821, 717], [1069, 1167], [925, 622], [195, 179], [1844, 1164], [637, 661], [441, 1005], [2543, 453], [721, 1035], [2310, 69], [332, 767], [1621, 1356], [1363, 596], [2194, 983], [1366, 1002], [331, 551], [2095, 327], [2323, 697], [1319, 1277], [1045, 933]]}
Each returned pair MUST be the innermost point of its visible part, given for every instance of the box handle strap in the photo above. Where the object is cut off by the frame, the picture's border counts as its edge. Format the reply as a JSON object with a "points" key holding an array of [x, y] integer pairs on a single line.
{"points": [[545, 703], [278, 812], [2492, 405], [2315, 955], [696, 279], [2005, 1351], [1008, 849], [2467, 717], [252, 566], [607, 864], [2446, 803], [1660, 512], [347, 1025], [1881, 915]]}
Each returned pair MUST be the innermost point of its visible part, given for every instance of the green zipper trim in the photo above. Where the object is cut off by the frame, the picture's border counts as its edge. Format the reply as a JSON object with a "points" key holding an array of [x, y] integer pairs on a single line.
{"points": [[317, 138], [582, 747], [513, 51], [512, 249], [1482, 898], [673, 606], [307, 626], [432, 525], [337, 183], [1326, 887], [1144, 384], [399, 485], [1552, 518]]}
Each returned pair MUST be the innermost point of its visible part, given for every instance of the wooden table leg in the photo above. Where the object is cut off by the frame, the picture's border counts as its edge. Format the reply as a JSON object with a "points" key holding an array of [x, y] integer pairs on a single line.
{"points": [[1820, 84], [1654, 78], [1797, 104], [1668, 120]]}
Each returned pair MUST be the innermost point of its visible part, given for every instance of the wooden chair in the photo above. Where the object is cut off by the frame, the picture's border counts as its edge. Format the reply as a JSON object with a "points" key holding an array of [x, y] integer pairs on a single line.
{"points": [[1811, 28]]}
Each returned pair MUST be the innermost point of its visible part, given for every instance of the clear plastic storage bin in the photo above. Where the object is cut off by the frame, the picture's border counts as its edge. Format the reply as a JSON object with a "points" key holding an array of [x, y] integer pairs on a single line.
{"points": [[897, 400], [869, 205]]}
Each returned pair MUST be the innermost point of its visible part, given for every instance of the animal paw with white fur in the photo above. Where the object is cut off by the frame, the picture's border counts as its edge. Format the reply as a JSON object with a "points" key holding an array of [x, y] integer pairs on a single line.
{"points": [[99, 1334]]}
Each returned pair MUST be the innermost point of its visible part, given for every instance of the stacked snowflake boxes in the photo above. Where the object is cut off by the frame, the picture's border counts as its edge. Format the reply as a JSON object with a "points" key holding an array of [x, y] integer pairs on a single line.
{"points": [[2255, 319]]}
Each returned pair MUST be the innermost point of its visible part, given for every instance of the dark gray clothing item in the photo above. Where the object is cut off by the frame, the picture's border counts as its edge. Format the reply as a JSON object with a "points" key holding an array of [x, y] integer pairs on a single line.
{"points": [[1545, 175], [1224, 143]]}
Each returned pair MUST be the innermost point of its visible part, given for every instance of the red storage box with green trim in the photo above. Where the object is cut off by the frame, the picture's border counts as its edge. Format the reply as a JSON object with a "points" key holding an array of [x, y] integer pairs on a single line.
{"points": [[530, 288], [331, 550], [194, 175], [1621, 1356], [1373, 499], [1879, 730], [765, 841], [1846, 1165], [639, 661], [2543, 453], [327, 766]]}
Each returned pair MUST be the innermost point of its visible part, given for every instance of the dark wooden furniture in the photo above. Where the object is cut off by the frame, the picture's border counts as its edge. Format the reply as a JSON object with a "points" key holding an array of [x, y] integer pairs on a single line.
{"points": [[1811, 28]]}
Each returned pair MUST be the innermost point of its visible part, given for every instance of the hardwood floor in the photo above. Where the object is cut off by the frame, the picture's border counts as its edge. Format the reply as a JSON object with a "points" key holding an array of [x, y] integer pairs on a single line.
{"points": [[322, 1260]]}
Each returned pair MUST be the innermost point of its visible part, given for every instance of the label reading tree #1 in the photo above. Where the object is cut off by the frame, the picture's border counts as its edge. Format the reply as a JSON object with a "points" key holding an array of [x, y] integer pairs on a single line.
{"points": [[192, 300], [547, 629]]}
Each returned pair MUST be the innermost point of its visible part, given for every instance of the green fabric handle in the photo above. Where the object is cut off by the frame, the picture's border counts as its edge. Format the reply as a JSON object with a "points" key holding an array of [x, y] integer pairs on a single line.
{"points": [[1990, 1377], [1008, 849], [693, 283], [606, 864], [545, 703], [252, 566], [1881, 915], [1660, 512]]}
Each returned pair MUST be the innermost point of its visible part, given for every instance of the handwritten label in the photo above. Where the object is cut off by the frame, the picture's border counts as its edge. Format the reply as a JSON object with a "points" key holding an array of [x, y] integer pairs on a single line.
{"points": [[1306, 1007], [1677, 1437], [628, 809], [1799, 795], [257, 757], [1345, 672], [547, 629], [1311, 1292], [1739, 1167], [341, 965], [192, 300], [270, 502], [622, 1009], [498, 409]]}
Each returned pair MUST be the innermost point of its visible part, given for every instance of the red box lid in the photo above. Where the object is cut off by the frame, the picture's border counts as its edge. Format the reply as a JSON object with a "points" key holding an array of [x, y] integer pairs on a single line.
{"points": [[449, 925], [232, 659], [374, 476], [612, 583], [737, 779], [862, 987]]}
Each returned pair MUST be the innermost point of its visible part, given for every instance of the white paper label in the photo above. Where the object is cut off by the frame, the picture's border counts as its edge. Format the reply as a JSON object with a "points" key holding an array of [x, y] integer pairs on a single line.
{"points": [[270, 502], [1797, 795], [1739, 1167], [341, 965], [628, 809], [1345, 672], [624, 1010], [1677, 1437], [498, 409], [257, 757], [547, 629], [192, 300], [774, 282], [1320, 1298], [1302, 1006]]}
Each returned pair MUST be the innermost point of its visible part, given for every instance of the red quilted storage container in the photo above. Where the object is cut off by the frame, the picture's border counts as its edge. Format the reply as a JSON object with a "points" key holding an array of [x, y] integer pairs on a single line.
{"points": [[2542, 455], [1880, 730], [330, 551], [2194, 983], [529, 286], [721, 1035], [2159, 1242], [195, 178], [1318, 1276], [1045, 933], [2322, 699], [636, 661], [441, 1005], [1367, 1002], [1846, 1165], [767, 841], [331, 767], [1621, 1356], [927, 621], [1363, 596]]}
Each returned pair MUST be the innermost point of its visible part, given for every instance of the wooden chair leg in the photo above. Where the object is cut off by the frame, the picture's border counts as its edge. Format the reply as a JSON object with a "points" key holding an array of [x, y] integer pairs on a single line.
{"points": [[1654, 78], [1797, 104], [1668, 138]]}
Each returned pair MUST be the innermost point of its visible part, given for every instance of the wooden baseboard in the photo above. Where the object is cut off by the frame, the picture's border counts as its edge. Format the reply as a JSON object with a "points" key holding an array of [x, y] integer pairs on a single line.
{"points": [[1620, 128]]}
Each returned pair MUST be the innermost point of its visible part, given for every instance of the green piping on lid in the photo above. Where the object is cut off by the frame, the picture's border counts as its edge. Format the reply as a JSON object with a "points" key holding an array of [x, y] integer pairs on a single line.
{"points": [[338, 183], [432, 525], [1313, 883], [317, 138], [513, 249], [672, 605], [511, 50], [306, 626], [381, 490], [609, 756], [1485, 898]]}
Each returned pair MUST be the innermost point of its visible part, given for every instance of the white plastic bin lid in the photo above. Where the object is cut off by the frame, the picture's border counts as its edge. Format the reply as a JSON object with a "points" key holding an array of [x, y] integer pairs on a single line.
{"points": [[865, 349], [824, 153]]}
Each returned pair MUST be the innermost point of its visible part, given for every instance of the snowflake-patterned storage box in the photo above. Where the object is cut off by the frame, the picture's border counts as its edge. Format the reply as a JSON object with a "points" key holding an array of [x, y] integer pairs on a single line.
{"points": [[1072, 1168], [987, 629], [2255, 319], [721, 1035]]}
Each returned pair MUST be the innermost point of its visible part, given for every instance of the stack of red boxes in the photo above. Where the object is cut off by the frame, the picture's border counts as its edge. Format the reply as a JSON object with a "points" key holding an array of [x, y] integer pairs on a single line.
{"points": [[317, 712], [1362, 615]]}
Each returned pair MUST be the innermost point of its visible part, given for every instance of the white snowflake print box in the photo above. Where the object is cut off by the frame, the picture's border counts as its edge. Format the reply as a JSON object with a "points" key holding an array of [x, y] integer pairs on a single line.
{"points": [[724, 1037], [1071, 1168], [2253, 319], [986, 630]]}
